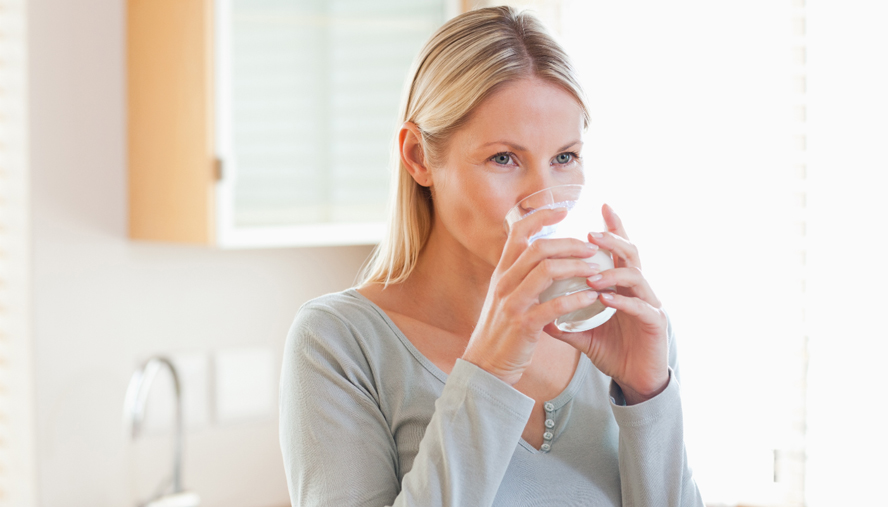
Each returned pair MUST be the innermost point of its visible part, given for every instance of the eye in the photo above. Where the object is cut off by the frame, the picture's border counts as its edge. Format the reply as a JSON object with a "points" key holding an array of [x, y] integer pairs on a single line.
{"points": [[565, 158], [502, 158]]}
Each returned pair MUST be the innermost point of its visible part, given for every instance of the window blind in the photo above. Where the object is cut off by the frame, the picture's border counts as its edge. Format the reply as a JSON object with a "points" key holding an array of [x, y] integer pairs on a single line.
{"points": [[17, 486], [316, 88]]}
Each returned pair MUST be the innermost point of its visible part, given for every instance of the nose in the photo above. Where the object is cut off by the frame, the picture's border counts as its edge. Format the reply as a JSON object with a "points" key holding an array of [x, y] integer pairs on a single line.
{"points": [[538, 191], [541, 176], [536, 179]]}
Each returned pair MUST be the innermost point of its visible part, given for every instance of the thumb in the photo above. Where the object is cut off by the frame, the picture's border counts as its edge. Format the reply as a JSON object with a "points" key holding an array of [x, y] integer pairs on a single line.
{"points": [[580, 341]]}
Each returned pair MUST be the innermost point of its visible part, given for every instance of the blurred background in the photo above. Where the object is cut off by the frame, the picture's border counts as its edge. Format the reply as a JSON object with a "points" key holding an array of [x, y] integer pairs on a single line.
{"points": [[178, 176]]}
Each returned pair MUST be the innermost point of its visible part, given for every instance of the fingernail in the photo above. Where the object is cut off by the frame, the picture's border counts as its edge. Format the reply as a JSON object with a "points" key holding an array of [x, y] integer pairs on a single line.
{"points": [[589, 295], [594, 278], [594, 267], [596, 235], [607, 296], [592, 246]]}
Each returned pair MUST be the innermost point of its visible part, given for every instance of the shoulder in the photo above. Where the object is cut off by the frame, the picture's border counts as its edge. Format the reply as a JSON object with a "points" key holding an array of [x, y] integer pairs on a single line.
{"points": [[337, 341], [347, 308], [339, 325]]}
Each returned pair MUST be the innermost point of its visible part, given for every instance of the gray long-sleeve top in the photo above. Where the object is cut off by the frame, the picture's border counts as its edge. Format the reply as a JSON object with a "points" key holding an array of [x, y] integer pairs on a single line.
{"points": [[367, 420]]}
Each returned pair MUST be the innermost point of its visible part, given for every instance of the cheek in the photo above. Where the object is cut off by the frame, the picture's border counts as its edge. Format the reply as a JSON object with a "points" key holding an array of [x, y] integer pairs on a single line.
{"points": [[460, 206], [473, 210]]}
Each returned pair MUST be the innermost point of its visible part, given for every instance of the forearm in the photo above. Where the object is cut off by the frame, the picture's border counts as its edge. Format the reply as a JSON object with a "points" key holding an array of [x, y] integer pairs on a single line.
{"points": [[469, 442], [351, 458], [654, 470]]}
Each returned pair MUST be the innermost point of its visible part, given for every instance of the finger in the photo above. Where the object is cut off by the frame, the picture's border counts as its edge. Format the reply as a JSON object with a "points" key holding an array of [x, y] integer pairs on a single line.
{"points": [[631, 306], [521, 231], [544, 313], [625, 254], [631, 279], [580, 341], [613, 222], [558, 248], [545, 273], [542, 249]]}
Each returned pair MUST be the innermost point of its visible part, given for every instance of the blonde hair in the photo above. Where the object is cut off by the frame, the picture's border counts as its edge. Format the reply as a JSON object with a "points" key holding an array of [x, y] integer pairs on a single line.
{"points": [[463, 62]]}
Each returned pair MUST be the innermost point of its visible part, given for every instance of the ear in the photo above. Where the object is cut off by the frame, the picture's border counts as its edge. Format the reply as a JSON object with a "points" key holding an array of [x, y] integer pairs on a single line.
{"points": [[413, 154]]}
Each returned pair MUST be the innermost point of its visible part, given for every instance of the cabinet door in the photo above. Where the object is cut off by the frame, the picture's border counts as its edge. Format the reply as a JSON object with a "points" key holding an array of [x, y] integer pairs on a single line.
{"points": [[307, 100]]}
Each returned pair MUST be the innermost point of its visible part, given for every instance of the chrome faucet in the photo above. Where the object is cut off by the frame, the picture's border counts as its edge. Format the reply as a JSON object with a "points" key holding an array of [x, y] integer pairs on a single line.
{"points": [[134, 414]]}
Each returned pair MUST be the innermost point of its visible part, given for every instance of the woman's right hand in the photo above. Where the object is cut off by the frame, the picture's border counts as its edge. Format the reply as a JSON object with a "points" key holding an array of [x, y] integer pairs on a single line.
{"points": [[512, 317]]}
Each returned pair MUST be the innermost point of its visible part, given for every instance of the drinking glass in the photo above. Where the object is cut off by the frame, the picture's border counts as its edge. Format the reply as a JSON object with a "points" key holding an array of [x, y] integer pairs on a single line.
{"points": [[583, 216]]}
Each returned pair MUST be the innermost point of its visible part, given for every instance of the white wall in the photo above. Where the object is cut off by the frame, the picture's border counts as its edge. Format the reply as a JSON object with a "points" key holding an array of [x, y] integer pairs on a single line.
{"points": [[102, 303]]}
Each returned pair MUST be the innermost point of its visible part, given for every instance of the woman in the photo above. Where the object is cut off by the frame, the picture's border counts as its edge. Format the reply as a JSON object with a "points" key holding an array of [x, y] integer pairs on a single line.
{"points": [[441, 380]]}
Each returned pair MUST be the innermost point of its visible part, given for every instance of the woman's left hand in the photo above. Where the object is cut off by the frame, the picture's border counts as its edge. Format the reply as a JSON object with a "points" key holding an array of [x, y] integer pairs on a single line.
{"points": [[631, 347]]}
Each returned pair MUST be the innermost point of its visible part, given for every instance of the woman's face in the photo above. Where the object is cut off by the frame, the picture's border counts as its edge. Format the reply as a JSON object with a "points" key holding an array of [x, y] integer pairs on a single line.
{"points": [[525, 137]]}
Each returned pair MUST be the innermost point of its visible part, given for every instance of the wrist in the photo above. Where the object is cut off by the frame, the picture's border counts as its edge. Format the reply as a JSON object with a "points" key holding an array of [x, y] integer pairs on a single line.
{"points": [[509, 377], [635, 396]]}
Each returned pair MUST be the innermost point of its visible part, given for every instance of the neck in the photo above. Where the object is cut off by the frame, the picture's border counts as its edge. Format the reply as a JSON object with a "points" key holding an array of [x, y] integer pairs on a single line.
{"points": [[448, 284]]}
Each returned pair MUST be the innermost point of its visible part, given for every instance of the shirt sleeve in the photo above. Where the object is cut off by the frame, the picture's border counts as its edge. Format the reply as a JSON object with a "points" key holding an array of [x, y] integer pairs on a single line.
{"points": [[339, 450], [654, 469]]}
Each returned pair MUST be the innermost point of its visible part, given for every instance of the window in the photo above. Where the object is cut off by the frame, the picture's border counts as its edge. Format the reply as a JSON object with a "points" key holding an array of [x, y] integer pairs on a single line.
{"points": [[17, 478], [743, 145], [695, 141], [308, 103]]}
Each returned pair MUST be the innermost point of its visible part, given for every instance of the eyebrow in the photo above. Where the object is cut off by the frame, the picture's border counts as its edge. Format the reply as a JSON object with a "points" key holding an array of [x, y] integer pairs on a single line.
{"points": [[518, 147]]}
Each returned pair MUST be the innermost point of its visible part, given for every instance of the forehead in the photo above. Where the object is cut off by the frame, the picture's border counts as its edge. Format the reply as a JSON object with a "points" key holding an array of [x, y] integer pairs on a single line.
{"points": [[527, 110]]}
